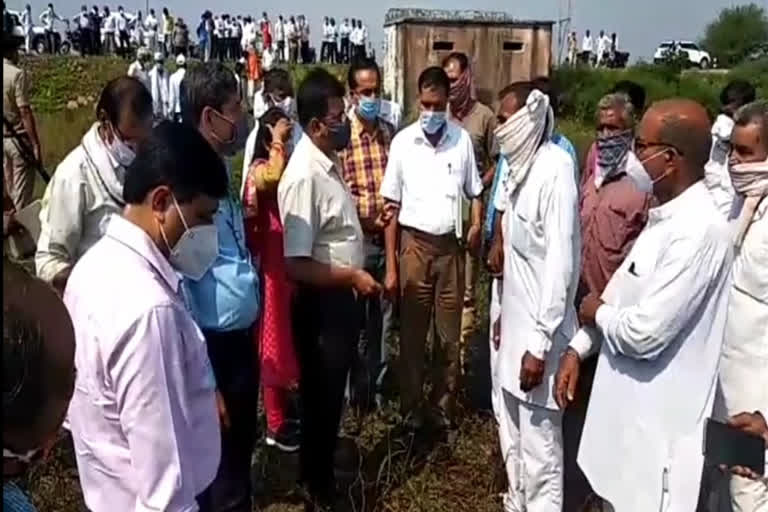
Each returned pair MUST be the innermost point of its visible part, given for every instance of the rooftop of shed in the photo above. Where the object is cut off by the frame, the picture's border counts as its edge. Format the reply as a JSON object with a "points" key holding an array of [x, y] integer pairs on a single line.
{"points": [[442, 16]]}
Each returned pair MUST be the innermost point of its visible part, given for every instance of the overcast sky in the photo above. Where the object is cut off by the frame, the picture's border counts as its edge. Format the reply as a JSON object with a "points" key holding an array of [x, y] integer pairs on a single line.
{"points": [[641, 24]]}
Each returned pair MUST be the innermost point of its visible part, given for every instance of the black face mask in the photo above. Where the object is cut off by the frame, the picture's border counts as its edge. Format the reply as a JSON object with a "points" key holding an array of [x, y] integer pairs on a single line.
{"points": [[340, 135]]}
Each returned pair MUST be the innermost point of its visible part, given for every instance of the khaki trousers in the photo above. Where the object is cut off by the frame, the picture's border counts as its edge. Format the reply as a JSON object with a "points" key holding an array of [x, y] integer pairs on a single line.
{"points": [[19, 176], [469, 314], [431, 287]]}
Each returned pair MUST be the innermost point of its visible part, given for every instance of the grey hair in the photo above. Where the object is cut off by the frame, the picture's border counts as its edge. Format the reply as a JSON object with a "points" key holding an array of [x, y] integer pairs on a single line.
{"points": [[618, 101], [755, 112]]}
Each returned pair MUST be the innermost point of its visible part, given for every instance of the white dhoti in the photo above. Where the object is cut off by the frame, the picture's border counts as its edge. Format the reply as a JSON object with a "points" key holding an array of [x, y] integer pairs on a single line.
{"points": [[495, 314], [532, 447]]}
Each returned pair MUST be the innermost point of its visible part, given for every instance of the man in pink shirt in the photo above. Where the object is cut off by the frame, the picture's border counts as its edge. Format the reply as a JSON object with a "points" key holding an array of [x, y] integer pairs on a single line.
{"points": [[144, 414], [614, 209]]}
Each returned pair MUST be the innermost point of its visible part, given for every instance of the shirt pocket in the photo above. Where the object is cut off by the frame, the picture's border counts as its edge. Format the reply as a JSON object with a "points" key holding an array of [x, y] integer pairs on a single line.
{"points": [[523, 236]]}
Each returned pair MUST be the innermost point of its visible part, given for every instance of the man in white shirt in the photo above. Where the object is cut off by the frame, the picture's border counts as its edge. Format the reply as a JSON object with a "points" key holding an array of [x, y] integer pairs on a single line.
{"points": [[48, 18], [87, 187], [603, 46], [144, 417], [123, 38], [344, 32], [536, 249], [159, 87], [431, 171], [83, 22], [660, 320], [26, 25], [327, 38], [743, 385], [175, 88], [291, 40], [587, 47], [323, 244], [109, 31], [138, 68], [305, 34], [150, 31], [279, 38], [734, 96]]}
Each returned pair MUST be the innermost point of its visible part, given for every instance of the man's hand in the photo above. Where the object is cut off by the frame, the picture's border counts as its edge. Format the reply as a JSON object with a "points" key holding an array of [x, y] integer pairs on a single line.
{"points": [[365, 284], [391, 287], [223, 413], [751, 423], [531, 372], [386, 215], [496, 258], [496, 334], [473, 238], [588, 309], [567, 378]]}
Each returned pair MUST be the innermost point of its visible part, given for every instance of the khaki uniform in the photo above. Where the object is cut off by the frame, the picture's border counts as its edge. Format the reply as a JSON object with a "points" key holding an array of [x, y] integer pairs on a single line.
{"points": [[18, 175]]}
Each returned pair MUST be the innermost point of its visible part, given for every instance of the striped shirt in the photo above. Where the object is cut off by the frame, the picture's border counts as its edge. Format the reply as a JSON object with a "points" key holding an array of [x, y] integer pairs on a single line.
{"points": [[363, 162]]}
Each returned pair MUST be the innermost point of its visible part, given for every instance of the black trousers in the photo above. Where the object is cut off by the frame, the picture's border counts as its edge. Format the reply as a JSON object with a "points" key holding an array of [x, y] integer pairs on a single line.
{"points": [[86, 38], [125, 43], [233, 359], [326, 331], [345, 50]]}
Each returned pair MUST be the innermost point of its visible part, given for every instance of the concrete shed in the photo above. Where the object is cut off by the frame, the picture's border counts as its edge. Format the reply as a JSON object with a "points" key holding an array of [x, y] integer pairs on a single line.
{"points": [[501, 49]]}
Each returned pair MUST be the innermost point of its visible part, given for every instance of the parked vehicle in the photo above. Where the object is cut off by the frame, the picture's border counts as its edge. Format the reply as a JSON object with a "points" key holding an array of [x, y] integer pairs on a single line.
{"points": [[669, 50], [39, 38]]}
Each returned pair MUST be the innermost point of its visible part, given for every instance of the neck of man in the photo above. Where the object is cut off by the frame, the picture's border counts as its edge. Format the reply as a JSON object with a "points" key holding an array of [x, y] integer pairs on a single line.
{"points": [[13, 468], [677, 188], [144, 220], [434, 138], [208, 136], [369, 127], [321, 145]]}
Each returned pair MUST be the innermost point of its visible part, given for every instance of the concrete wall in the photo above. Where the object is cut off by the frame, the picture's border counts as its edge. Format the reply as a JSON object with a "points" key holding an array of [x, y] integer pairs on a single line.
{"points": [[499, 54]]}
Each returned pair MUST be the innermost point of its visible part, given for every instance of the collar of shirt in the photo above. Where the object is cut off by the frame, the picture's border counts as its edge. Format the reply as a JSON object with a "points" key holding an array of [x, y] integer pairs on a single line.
{"points": [[450, 134], [358, 129], [689, 199], [317, 157], [132, 236]]}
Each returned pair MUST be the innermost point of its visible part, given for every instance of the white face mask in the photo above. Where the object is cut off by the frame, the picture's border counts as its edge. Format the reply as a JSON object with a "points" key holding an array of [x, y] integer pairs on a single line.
{"points": [[750, 179], [196, 250], [658, 178], [120, 151]]}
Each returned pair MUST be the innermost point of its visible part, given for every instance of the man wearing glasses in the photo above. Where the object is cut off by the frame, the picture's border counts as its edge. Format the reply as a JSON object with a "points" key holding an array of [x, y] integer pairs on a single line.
{"points": [[660, 320]]}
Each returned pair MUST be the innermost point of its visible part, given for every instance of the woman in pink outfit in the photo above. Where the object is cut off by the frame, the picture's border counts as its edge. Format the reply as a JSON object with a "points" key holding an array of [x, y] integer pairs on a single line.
{"points": [[264, 232]]}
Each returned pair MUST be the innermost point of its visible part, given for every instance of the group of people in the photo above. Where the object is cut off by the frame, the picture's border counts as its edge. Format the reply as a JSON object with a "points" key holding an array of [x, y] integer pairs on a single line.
{"points": [[637, 281], [596, 52], [343, 43], [107, 32]]}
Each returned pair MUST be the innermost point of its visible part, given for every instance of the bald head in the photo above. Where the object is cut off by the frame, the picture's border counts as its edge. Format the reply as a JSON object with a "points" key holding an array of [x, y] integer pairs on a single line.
{"points": [[684, 125], [38, 359]]}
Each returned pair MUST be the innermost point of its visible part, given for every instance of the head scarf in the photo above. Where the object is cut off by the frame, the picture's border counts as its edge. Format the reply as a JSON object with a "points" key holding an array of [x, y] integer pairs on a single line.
{"points": [[520, 137], [462, 95], [612, 151], [751, 181]]}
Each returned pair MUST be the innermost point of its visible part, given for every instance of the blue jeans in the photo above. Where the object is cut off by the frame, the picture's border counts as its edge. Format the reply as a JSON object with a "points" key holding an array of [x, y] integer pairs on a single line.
{"points": [[370, 365]]}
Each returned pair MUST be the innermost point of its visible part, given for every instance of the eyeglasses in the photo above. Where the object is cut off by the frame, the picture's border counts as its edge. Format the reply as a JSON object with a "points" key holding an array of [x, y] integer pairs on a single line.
{"points": [[642, 146]]}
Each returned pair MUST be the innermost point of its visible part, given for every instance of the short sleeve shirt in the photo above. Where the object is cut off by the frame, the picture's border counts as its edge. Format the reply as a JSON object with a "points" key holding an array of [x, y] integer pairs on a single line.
{"points": [[317, 211], [480, 124], [15, 94]]}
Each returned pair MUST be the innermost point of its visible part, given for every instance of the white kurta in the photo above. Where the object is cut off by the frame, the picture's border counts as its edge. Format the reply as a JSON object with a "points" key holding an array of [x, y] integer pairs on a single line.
{"points": [[159, 87], [662, 329], [744, 365], [542, 247]]}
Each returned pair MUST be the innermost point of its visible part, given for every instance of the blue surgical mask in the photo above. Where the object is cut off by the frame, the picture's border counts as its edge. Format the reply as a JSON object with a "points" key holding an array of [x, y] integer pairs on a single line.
{"points": [[431, 121], [368, 108]]}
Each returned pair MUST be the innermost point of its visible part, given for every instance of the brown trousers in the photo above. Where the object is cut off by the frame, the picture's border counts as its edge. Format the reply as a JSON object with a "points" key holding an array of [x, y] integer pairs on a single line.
{"points": [[431, 287]]}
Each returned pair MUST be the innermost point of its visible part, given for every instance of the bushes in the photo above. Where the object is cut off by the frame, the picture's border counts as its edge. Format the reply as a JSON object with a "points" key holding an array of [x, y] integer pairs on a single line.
{"points": [[582, 88]]}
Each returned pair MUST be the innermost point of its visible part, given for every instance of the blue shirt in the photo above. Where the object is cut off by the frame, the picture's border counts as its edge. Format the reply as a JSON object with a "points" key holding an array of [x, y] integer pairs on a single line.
{"points": [[14, 500], [502, 168], [562, 141], [227, 296]]}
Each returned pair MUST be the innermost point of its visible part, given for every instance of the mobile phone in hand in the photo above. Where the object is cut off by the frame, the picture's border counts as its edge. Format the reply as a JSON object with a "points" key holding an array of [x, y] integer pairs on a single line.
{"points": [[729, 446]]}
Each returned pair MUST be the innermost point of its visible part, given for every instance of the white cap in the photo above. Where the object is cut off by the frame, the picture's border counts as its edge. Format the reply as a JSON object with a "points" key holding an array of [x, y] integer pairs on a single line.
{"points": [[159, 57], [181, 60]]}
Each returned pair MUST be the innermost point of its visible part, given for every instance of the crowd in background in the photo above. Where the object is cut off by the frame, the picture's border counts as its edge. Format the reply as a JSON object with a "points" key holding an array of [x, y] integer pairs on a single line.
{"points": [[628, 298]]}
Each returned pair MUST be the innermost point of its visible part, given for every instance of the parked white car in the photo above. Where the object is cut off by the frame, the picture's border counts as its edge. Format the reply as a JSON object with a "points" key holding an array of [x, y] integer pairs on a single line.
{"points": [[39, 41], [696, 56]]}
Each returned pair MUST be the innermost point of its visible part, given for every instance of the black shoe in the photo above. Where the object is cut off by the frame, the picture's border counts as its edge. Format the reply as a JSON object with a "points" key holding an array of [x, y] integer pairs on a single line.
{"points": [[286, 439]]}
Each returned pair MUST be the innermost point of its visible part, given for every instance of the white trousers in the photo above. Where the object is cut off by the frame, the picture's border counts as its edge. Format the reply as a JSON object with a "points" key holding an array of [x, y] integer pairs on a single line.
{"points": [[495, 314], [531, 439], [749, 496]]}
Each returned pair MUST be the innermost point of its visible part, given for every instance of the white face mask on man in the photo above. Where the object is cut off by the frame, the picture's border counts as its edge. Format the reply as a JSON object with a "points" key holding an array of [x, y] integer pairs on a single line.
{"points": [[196, 250], [120, 151]]}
